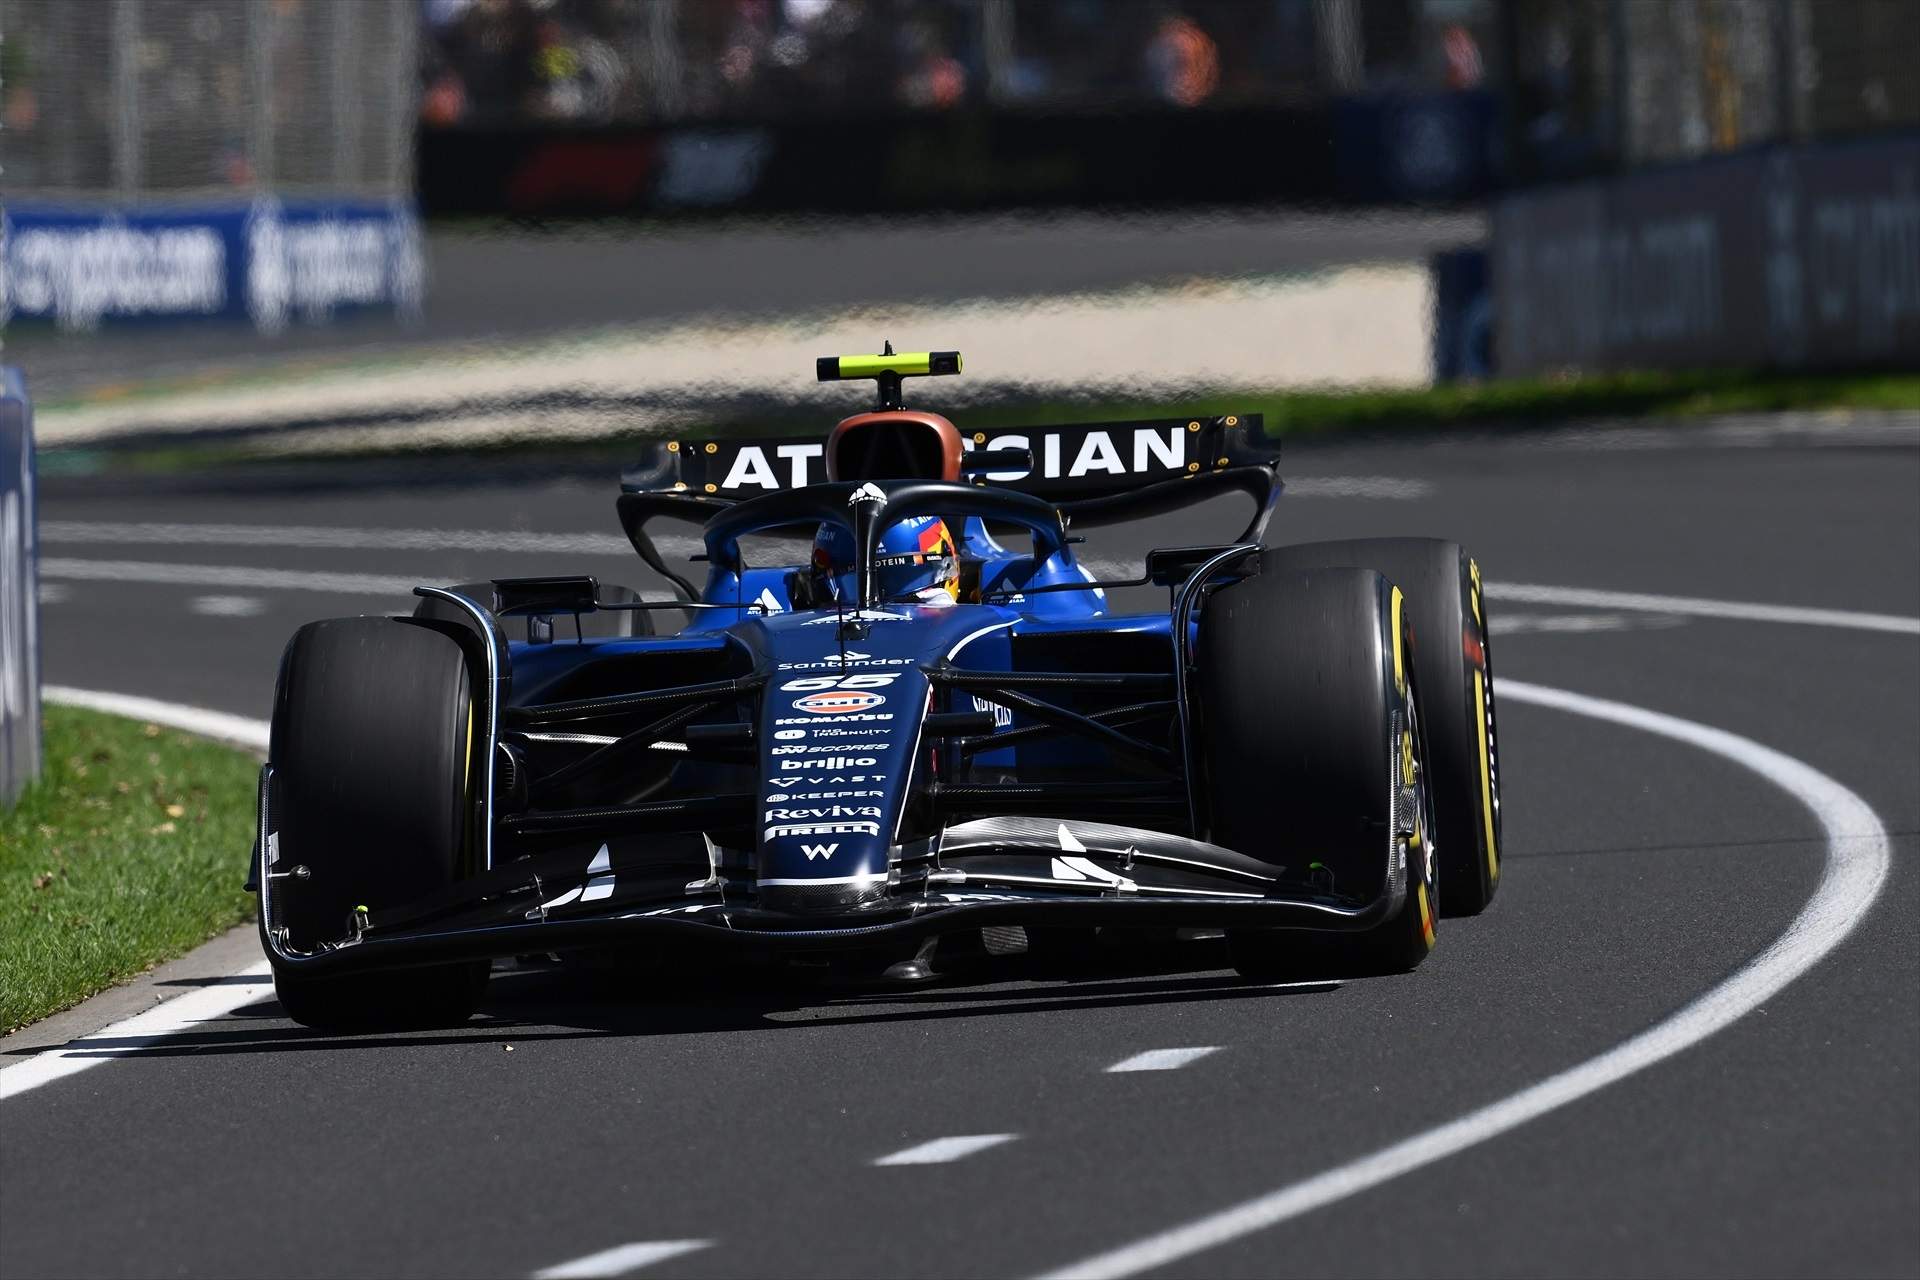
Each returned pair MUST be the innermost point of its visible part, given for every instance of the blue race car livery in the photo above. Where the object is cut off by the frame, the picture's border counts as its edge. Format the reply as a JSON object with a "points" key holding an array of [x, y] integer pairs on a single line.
{"points": [[928, 726]]}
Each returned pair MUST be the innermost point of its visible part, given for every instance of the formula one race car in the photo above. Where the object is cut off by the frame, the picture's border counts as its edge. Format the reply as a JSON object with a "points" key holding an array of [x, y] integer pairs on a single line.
{"points": [[914, 740]]}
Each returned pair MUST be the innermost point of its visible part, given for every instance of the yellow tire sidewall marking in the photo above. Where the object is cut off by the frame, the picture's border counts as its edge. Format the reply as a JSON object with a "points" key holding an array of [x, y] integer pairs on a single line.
{"points": [[1486, 773], [1399, 658]]}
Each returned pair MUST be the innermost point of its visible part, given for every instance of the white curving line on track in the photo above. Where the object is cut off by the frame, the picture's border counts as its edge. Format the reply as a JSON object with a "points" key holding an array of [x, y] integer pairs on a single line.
{"points": [[1856, 869], [620, 1260], [240, 731], [129, 1036], [1694, 606]]}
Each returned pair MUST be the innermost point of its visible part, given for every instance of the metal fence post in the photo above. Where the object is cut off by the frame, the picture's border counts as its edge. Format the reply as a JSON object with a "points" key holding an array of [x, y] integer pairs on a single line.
{"points": [[129, 139], [343, 103], [260, 140]]}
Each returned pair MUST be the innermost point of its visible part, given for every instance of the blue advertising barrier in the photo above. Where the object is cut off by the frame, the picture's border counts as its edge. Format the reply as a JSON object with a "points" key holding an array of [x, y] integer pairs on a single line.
{"points": [[1394, 147], [19, 594], [265, 261]]}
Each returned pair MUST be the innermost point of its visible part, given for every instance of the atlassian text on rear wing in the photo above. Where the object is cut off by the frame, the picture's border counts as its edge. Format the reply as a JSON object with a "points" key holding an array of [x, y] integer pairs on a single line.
{"points": [[1078, 460]]}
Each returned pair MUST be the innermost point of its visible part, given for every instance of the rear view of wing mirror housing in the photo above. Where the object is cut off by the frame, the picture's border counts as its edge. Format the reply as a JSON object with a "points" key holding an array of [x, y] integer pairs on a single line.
{"points": [[994, 461]]}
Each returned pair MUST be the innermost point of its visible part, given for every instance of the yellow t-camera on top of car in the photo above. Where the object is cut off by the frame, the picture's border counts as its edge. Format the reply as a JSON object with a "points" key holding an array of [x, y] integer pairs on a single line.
{"points": [[887, 368]]}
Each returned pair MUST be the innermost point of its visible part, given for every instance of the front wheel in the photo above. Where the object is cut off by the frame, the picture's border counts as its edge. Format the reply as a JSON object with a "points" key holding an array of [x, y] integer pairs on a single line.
{"points": [[373, 755], [1315, 760], [1453, 669]]}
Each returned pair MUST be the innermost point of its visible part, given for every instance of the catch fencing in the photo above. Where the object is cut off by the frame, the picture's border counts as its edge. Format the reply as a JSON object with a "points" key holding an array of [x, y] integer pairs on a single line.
{"points": [[193, 159]]}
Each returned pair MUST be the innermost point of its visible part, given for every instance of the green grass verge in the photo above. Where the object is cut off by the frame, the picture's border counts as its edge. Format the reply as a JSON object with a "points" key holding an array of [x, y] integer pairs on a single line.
{"points": [[1535, 402], [128, 851]]}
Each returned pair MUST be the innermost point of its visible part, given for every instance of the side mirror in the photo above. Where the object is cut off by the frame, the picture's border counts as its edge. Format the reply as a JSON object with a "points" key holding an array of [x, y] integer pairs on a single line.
{"points": [[1005, 459]]}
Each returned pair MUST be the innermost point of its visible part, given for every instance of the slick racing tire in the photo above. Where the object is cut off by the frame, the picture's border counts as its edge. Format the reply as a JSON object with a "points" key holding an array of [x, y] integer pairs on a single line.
{"points": [[372, 748], [1314, 761], [1453, 667]]}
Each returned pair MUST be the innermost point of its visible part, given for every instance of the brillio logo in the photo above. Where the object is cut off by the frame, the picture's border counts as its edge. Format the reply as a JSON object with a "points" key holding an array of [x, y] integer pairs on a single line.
{"points": [[830, 763]]}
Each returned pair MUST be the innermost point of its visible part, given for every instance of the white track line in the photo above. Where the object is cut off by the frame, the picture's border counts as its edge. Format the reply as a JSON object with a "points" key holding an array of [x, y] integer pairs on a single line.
{"points": [[241, 731], [1390, 487], [1532, 593], [1163, 1059], [1505, 623], [129, 1037], [231, 575], [513, 541], [1856, 869], [620, 1259], [333, 537], [946, 1150]]}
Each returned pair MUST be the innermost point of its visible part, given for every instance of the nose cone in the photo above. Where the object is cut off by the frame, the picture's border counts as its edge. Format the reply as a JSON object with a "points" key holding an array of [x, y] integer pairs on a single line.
{"points": [[838, 755]]}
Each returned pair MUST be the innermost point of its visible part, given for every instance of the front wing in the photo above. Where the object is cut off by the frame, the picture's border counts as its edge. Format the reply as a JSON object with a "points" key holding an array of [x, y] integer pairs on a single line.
{"points": [[988, 872]]}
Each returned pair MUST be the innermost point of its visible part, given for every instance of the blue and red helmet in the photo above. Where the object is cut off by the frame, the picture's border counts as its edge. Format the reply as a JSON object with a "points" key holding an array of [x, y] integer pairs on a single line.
{"points": [[915, 562]]}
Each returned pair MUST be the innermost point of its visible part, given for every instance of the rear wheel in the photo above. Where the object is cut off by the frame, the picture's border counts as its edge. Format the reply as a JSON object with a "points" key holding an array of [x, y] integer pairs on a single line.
{"points": [[1453, 668], [1315, 762], [372, 754]]}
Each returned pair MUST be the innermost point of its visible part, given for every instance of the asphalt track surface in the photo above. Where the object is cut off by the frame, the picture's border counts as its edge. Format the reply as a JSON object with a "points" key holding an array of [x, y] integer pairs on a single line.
{"points": [[1640, 872]]}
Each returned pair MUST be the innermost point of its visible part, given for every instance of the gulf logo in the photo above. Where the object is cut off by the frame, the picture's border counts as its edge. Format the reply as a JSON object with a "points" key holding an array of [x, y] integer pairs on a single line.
{"points": [[832, 702]]}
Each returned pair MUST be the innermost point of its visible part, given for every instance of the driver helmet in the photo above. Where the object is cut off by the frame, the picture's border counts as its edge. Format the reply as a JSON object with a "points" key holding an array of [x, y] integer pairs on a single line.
{"points": [[915, 562]]}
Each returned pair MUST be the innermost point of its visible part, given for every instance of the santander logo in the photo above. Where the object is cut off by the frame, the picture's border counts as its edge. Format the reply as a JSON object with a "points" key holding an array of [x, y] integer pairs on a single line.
{"points": [[835, 701]]}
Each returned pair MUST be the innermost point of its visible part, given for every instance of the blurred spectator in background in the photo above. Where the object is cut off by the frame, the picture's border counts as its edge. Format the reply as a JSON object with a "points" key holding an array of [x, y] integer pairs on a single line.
{"points": [[934, 77], [1183, 63]]}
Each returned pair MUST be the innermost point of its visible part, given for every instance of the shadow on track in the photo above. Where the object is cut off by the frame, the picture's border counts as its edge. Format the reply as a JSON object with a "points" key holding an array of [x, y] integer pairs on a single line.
{"points": [[530, 1004]]}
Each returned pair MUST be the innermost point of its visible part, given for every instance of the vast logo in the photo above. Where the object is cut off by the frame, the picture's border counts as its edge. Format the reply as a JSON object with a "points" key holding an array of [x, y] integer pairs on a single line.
{"points": [[844, 780]]}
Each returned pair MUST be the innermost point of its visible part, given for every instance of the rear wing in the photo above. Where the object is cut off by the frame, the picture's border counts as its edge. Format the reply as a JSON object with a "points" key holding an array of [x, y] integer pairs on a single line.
{"points": [[1073, 462]]}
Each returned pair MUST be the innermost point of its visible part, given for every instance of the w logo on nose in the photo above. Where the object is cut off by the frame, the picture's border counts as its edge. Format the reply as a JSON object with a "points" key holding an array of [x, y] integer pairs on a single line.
{"points": [[819, 850]]}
